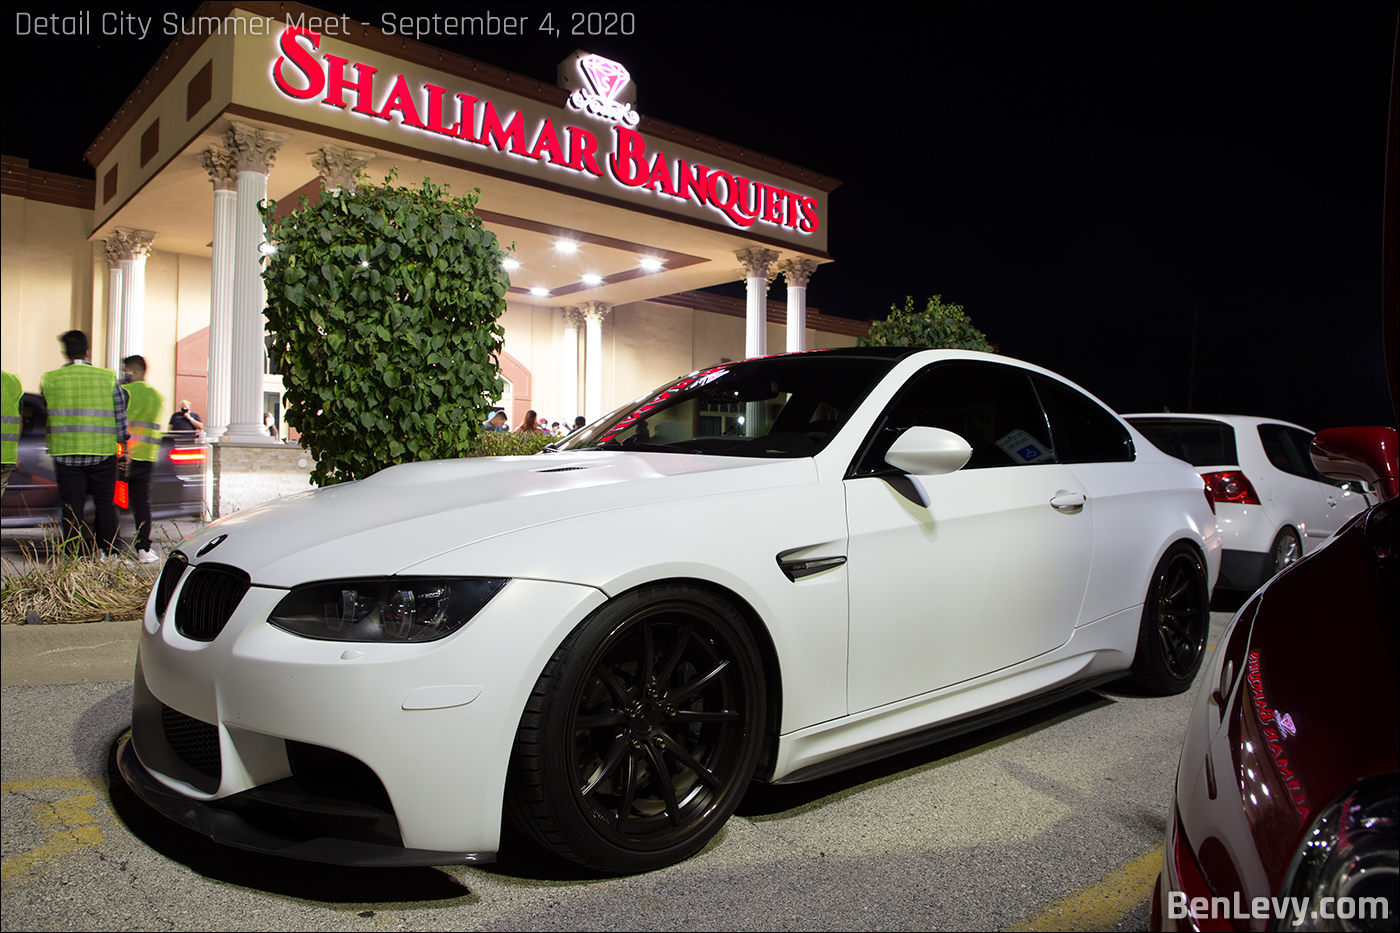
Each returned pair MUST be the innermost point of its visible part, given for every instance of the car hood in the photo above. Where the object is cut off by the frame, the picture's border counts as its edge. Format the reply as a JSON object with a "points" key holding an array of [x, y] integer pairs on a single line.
{"points": [[409, 513], [1318, 705]]}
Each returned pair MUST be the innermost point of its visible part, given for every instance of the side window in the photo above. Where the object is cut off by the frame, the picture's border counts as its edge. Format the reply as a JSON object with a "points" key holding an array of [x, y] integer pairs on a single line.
{"points": [[1285, 451], [991, 406], [1081, 429]]}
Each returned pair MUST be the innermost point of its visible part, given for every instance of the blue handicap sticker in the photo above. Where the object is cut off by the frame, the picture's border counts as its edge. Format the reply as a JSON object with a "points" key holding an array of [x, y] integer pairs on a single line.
{"points": [[1028, 453]]}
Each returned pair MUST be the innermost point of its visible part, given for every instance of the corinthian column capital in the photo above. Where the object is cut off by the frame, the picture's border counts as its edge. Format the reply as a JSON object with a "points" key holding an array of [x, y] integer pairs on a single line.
{"points": [[573, 317], [130, 244], [797, 272], [340, 168], [254, 149], [594, 311], [219, 164], [756, 260]]}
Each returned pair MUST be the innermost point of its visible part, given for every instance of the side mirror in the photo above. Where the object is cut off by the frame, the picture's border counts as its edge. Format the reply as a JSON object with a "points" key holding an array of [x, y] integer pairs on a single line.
{"points": [[1364, 454], [929, 452]]}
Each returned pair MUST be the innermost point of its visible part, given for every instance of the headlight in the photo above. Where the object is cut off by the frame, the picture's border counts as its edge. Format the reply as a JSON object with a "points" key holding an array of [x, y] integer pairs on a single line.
{"points": [[388, 609], [1348, 866]]}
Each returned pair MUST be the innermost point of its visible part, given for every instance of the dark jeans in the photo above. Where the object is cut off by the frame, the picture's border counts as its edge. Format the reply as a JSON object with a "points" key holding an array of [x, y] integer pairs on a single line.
{"points": [[138, 487], [75, 484]]}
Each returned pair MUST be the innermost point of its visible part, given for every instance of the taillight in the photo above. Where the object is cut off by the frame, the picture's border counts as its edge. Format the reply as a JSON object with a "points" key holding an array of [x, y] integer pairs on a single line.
{"points": [[1231, 486], [186, 454], [1210, 496]]}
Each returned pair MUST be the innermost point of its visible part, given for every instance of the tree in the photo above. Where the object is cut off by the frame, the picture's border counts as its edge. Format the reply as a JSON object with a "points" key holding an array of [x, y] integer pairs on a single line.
{"points": [[384, 302], [938, 326]]}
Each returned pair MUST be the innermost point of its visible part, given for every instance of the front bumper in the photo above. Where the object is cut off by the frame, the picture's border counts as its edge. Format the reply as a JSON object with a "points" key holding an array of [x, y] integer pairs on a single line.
{"points": [[410, 742]]}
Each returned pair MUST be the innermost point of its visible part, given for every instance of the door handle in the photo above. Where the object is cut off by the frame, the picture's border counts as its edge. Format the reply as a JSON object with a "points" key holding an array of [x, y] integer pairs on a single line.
{"points": [[1068, 501]]}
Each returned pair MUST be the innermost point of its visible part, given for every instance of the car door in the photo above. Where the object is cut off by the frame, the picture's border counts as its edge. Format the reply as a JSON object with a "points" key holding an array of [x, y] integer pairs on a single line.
{"points": [[958, 575], [1298, 494]]}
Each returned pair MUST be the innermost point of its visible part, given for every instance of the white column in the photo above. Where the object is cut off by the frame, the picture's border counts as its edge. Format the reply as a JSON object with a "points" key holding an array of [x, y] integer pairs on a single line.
{"points": [[796, 274], [573, 317], [114, 302], [756, 261], [593, 314], [135, 246], [253, 152], [219, 164], [339, 168]]}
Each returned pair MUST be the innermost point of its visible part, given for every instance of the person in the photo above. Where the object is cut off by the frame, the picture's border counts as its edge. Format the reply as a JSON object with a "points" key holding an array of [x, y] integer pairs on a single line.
{"points": [[529, 425], [10, 399], [579, 422], [143, 407], [87, 422], [497, 421], [186, 420], [270, 423], [554, 428]]}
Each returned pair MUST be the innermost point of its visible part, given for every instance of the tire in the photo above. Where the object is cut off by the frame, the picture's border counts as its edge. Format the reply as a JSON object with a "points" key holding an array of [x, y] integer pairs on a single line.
{"points": [[1286, 550], [1175, 623], [643, 732]]}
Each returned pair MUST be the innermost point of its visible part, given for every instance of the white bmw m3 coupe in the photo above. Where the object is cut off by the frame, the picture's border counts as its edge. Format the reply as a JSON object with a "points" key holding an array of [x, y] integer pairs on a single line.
{"points": [[771, 569]]}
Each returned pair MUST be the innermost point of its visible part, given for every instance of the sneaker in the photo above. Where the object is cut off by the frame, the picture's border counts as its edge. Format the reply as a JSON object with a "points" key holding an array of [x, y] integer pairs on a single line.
{"points": [[147, 556]]}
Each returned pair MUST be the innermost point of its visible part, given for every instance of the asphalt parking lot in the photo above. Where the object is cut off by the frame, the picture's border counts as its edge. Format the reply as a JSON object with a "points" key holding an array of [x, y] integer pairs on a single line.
{"points": [[1049, 821]]}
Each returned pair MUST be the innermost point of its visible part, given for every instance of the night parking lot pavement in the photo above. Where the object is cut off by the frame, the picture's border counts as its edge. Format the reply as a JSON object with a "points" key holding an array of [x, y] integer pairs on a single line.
{"points": [[1050, 821]]}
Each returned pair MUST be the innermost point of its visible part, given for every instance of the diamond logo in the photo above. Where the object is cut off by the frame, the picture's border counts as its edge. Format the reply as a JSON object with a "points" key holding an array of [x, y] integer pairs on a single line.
{"points": [[606, 75]]}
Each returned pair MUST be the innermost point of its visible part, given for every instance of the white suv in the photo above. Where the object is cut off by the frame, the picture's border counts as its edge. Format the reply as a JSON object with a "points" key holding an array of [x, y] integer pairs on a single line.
{"points": [[1272, 505]]}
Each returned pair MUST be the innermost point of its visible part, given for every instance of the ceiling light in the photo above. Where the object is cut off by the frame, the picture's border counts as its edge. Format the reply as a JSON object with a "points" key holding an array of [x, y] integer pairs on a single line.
{"points": [[565, 246], [510, 264], [591, 279], [539, 292], [650, 263]]}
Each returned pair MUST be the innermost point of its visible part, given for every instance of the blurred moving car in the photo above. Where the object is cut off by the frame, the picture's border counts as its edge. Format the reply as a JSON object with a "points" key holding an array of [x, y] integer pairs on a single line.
{"points": [[177, 480], [1287, 805], [778, 567], [1273, 506]]}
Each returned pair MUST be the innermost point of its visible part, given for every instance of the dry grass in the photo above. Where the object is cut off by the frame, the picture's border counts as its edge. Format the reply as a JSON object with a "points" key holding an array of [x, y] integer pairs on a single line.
{"points": [[64, 588]]}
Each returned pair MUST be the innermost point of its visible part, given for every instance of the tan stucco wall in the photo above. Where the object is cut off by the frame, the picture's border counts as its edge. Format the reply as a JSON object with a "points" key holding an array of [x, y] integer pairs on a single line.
{"points": [[45, 284]]}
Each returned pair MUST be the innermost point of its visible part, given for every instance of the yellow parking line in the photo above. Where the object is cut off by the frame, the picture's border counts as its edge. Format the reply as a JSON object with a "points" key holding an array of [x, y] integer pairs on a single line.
{"points": [[1103, 903], [68, 822]]}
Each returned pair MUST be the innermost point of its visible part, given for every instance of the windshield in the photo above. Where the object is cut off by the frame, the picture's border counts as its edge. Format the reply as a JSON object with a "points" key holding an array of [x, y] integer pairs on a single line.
{"points": [[785, 406]]}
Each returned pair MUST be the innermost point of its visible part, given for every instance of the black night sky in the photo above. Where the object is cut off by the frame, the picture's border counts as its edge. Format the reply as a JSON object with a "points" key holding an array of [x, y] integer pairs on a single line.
{"points": [[1103, 187]]}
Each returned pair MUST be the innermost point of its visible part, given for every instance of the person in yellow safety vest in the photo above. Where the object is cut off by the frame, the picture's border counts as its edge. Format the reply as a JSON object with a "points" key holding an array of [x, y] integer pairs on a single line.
{"points": [[13, 395], [87, 420], [144, 408]]}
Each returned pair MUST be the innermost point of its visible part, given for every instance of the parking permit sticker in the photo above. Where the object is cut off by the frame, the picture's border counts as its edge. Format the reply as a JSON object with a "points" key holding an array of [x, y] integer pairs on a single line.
{"points": [[1023, 448]]}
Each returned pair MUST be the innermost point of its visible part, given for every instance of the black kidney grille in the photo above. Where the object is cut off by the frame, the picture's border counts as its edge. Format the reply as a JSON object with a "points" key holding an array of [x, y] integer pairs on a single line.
{"points": [[170, 576], [193, 742], [208, 599]]}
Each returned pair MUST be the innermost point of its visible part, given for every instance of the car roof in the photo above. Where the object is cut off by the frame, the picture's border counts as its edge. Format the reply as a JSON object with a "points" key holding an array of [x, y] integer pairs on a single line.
{"points": [[1238, 421]]}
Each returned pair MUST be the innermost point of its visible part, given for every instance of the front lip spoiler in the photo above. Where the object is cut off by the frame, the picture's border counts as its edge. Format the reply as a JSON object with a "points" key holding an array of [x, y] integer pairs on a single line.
{"points": [[229, 829]]}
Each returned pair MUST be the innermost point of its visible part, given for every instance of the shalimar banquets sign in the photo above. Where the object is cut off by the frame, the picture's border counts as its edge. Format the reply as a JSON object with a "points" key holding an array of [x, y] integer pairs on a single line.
{"points": [[619, 153]]}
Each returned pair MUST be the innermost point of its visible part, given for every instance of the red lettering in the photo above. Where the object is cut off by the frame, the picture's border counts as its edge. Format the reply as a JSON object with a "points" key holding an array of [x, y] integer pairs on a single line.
{"points": [[302, 58], [688, 184], [547, 142], [401, 100], [435, 95], [660, 173], [794, 203], [727, 203], [629, 163], [466, 126], [336, 85], [772, 205], [513, 133], [809, 215], [582, 147], [746, 202]]}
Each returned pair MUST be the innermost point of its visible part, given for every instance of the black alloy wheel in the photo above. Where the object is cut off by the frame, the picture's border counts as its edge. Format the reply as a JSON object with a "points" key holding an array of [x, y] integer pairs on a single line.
{"points": [[1175, 624], [642, 733]]}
